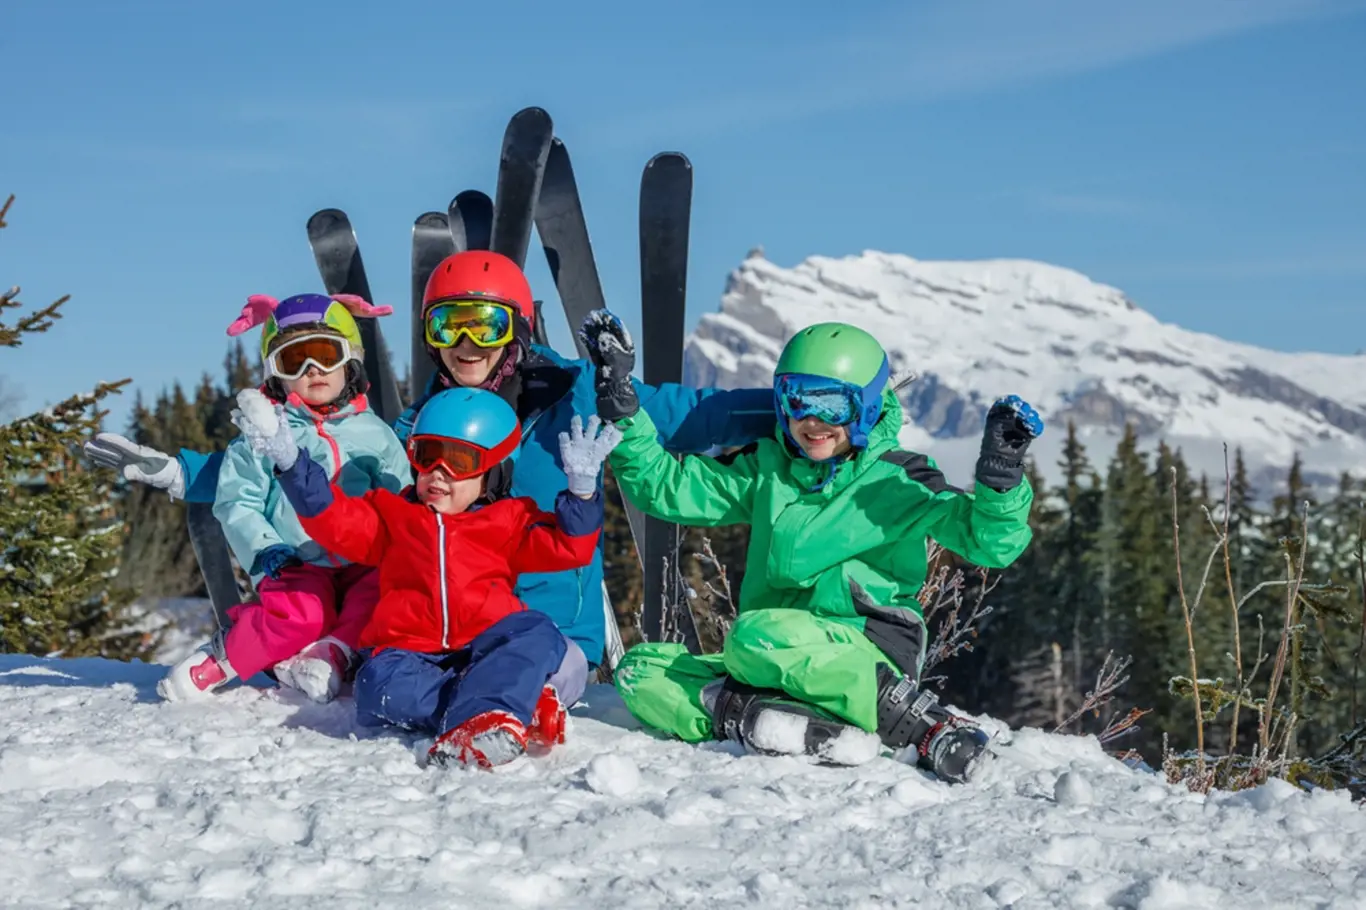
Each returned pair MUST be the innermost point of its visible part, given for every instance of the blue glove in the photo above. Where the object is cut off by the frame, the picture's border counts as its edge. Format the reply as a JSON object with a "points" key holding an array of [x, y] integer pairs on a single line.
{"points": [[274, 559], [1011, 426]]}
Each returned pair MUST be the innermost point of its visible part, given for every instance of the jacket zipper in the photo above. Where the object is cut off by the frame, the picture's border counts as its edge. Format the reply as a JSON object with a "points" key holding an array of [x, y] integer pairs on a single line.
{"points": [[441, 580]]}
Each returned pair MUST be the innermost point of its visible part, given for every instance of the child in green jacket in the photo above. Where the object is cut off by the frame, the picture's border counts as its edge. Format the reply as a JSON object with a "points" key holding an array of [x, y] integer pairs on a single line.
{"points": [[829, 641]]}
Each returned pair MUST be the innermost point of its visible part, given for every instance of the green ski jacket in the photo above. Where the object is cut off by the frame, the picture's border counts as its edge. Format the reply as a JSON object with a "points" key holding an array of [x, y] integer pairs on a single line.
{"points": [[850, 546]]}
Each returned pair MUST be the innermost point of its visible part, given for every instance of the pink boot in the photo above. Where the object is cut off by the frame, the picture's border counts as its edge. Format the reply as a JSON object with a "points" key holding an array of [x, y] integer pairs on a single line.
{"points": [[197, 676]]}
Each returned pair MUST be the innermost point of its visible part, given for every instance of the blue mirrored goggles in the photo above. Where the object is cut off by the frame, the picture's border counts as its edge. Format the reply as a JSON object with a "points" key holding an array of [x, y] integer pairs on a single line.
{"points": [[828, 400]]}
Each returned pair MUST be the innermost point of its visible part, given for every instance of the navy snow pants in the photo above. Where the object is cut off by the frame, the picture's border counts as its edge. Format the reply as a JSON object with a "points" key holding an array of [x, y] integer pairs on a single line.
{"points": [[503, 669]]}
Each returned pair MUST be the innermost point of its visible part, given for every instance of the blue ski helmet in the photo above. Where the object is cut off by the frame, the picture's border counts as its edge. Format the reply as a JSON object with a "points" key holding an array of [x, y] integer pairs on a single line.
{"points": [[467, 431]]}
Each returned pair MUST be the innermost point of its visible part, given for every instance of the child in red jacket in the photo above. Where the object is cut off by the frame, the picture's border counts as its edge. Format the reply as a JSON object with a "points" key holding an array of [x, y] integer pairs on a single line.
{"points": [[450, 649]]}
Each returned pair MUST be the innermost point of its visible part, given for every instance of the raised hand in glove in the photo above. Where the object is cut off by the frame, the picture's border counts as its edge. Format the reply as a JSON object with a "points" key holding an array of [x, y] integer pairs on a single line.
{"points": [[263, 423], [141, 463], [1011, 426], [583, 452], [274, 559], [614, 356]]}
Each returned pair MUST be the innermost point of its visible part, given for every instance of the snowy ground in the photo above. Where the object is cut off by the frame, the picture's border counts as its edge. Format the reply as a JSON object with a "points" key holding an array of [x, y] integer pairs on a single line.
{"points": [[109, 798]]}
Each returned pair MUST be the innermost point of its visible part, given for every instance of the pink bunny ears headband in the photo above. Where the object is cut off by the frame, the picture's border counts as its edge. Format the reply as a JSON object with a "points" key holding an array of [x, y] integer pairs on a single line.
{"points": [[260, 307]]}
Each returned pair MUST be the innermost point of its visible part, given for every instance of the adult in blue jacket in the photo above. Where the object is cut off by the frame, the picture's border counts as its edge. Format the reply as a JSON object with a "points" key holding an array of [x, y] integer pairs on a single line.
{"points": [[478, 316]]}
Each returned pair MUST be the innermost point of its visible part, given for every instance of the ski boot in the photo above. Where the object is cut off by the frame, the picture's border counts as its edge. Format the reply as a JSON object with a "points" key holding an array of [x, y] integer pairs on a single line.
{"points": [[767, 721], [199, 674], [487, 740], [951, 747], [318, 670], [548, 722]]}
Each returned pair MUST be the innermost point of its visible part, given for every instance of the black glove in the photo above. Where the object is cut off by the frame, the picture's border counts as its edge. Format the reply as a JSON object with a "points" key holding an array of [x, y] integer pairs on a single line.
{"points": [[1011, 425], [614, 356]]}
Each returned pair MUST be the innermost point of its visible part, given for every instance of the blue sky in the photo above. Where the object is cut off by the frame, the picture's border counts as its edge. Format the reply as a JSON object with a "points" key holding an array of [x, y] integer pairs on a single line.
{"points": [[1206, 156]]}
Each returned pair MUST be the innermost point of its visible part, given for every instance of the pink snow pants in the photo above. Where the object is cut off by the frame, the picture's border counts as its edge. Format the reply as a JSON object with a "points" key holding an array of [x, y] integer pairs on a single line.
{"points": [[304, 604]]}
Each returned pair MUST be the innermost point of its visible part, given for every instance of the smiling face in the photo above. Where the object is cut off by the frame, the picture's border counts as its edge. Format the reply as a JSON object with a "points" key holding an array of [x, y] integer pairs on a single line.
{"points": [[317, 388], [819, 441], [440, 492], [469, 364]]}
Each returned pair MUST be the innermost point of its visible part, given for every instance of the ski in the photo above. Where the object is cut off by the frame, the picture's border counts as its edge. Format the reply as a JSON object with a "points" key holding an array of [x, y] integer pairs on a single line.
{"points": [[215, 560], [564, 236], [334, 248], [526, 145], [665, 219], [471, 218], [432, 242]]}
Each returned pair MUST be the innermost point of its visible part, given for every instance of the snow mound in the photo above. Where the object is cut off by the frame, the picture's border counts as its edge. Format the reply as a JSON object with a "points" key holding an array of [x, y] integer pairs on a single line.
{"points": [[113, 799]]}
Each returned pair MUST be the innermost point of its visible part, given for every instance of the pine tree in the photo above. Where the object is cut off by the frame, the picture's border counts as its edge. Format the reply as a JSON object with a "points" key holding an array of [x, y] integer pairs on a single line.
{"points": [[1073, 573], [60, 537]]}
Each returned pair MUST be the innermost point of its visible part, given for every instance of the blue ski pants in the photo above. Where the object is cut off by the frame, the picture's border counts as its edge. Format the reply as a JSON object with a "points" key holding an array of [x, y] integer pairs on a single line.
{"points": [[503, 669]]}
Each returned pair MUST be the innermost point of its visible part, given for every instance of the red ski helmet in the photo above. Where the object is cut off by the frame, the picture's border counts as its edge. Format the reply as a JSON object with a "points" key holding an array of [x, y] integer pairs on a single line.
{"points": [[481, 273]]}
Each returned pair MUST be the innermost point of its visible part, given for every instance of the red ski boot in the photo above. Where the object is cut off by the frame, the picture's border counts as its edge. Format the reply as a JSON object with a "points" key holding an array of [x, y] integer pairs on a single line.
{"points": [[488, 739], [547, 721]]}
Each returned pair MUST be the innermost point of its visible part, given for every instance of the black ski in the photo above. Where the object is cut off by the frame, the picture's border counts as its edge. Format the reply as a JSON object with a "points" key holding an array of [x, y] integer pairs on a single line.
{"points": [[564, 235], [215, 560], [526, 145], [665, 219], [432, 242], [471, 217], [338, 257]]}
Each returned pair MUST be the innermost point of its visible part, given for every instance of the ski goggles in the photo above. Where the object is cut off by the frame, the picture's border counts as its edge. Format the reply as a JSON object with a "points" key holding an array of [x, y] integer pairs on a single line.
{"points": [[293, 358], [487, 323], [830, 401], [456, 457]]}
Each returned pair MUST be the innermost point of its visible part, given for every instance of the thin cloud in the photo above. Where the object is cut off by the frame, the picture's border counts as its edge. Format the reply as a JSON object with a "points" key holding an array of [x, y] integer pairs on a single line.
{"points": [[1305, 265], [939, 50]]}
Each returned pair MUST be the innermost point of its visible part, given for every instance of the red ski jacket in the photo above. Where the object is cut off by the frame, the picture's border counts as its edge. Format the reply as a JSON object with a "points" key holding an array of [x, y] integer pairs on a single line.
{"points": [[443, 579]]}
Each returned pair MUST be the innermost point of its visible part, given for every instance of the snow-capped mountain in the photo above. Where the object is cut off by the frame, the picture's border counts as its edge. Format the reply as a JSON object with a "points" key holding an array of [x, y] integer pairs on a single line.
{"points": [[1075, 349]]}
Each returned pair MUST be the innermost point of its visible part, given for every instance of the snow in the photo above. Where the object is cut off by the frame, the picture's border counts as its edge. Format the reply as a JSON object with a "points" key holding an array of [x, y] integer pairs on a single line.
{"points": [[110, 798], [1071, 346]]}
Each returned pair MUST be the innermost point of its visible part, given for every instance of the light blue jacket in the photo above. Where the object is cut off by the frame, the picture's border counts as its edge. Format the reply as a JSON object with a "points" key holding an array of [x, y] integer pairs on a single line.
{"points": [[360, 453]]}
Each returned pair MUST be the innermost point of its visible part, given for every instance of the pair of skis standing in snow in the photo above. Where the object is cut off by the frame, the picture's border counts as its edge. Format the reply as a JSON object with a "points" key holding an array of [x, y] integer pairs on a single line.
{"points": [[825, 654]]}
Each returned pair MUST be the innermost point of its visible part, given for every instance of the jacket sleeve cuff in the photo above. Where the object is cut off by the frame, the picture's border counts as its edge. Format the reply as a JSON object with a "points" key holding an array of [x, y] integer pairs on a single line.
{"points": [[993, 502], [578, 517], [306, 486]]}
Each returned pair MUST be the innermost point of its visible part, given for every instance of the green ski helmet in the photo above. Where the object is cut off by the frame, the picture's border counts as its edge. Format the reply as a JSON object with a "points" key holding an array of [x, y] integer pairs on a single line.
{"points": [[836, 351]]}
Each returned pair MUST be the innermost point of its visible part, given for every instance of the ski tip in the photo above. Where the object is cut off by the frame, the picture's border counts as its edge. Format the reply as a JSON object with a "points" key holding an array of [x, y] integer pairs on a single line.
{"points": [[468, 198], [431, 220], [669, 159], [530, 114], [324, 218]]}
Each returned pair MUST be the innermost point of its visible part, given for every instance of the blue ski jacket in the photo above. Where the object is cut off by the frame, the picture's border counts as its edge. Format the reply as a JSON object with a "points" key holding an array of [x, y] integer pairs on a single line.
{"points": [[549, 391]]}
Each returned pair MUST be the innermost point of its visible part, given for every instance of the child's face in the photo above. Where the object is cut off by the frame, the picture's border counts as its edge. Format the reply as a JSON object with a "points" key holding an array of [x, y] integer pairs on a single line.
{"points": [[469, 364], [316, 387], [819, 441], [442, 493]]}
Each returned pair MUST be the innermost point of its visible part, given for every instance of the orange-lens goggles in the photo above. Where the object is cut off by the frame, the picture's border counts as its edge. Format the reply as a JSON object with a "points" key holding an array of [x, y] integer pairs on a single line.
{"points": [[292, 359], [459, 459], [486, 323]]}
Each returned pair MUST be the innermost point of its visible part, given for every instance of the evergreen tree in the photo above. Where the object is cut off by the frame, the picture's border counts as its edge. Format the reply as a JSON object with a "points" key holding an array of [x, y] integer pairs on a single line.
{"points": [[60, 538]]}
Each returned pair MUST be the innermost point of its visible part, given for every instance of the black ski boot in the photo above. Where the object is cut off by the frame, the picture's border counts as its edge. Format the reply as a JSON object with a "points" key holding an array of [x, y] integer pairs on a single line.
{"points": [[952, 747], [769, 722]]}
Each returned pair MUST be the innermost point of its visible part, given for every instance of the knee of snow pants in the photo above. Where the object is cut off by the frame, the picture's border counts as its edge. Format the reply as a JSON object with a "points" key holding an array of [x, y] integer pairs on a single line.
{"points": [[294, 610], [661, 685], [404, 689], [815, 659]]}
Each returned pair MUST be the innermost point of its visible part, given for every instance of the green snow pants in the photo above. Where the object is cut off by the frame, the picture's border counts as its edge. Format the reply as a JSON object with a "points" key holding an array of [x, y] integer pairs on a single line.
{"points": [[823, 662]]}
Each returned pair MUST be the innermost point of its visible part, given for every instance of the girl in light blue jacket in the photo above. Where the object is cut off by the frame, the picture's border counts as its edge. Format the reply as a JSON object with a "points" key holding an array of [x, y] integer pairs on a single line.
{"points": [[313, 604]]}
